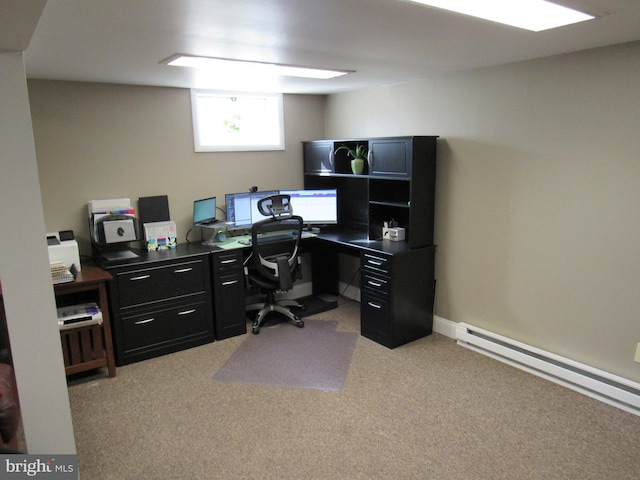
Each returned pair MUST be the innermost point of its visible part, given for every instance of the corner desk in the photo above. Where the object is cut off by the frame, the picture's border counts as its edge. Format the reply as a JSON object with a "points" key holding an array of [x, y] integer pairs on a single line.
{"points": [[170, 300]]}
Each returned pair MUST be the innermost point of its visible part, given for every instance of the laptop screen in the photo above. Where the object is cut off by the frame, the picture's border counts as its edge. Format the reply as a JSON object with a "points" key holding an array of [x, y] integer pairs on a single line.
{"points": [[204, 210]]}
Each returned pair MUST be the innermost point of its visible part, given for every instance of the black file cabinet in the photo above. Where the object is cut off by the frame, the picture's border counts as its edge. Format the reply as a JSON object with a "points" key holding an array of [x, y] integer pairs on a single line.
{"points": [[397, 292], [160, 304], [228, 293]]}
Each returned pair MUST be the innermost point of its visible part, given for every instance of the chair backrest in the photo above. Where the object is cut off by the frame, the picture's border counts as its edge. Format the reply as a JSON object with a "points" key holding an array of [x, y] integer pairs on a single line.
{"points": [[276, 205], [275, 241]]}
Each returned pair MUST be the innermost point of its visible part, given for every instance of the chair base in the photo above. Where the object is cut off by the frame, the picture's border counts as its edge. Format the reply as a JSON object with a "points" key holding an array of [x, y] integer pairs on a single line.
{"points": [[272, 306]]}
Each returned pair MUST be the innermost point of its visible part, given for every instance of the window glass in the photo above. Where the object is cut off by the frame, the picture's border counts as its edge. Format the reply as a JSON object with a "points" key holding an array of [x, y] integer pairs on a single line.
{"points": [[225, 121]]}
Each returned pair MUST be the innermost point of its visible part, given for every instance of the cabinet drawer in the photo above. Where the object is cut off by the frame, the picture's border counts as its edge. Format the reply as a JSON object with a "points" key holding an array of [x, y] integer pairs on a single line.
{"points": [[228, 282], [375, 317], [378, 284], [154, 328], [378, 263], [229, 301], [159, 283], [227, 261]]}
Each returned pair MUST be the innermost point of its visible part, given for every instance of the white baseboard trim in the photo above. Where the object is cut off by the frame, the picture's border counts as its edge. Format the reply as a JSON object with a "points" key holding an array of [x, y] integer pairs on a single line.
{"points": [[604, 386], [444, 327], [350, 291]]}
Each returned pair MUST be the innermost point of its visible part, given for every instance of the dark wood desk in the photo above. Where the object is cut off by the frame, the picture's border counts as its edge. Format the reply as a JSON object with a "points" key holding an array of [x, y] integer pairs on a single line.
{"points": [[397, 283], [147, 299], [89, 347]]}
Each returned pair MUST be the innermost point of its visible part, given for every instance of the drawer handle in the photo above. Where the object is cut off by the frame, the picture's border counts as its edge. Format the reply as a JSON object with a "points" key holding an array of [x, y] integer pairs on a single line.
{"points": [[375, 284], [374, 305], [183, 270], [140, 322], [374, 262], [141, 277], [232, 260], [230, 282], [187, 312]]}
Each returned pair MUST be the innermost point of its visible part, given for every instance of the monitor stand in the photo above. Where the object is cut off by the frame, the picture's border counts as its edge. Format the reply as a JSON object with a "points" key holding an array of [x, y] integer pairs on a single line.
{"points": [[119, 255]]}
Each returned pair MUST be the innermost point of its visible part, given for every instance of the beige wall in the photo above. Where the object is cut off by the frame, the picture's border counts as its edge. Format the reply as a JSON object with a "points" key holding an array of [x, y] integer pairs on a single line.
{"points": [[96, 141], [538, 196]]}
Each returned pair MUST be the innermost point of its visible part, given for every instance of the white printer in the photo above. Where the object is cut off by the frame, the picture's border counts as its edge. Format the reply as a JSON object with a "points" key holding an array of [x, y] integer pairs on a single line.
{"points": [[63, 250]]}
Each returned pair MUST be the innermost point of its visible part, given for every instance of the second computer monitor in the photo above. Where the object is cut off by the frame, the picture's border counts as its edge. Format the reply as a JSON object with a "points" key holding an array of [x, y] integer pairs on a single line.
{"points": [[316, 207], [242, 208]]}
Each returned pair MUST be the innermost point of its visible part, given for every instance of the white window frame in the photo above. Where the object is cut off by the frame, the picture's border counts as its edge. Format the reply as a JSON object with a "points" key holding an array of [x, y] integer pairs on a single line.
{"points": [[264, 130]]}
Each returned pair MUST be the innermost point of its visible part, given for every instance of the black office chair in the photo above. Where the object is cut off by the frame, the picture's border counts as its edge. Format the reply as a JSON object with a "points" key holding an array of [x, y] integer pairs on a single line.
{"points": [[274, 263]]}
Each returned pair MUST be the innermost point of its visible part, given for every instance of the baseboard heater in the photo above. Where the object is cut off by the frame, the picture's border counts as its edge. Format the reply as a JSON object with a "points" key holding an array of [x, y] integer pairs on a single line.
{"points": [[603, 386]]}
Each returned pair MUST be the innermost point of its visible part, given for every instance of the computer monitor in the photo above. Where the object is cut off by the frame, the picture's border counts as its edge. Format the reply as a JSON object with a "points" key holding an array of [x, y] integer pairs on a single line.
{"points": [[204, 211], [316, 207], [242, 208]]}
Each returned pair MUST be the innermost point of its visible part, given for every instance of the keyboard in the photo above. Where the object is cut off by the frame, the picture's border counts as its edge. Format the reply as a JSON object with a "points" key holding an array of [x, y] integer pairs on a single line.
{"points": [[277, 237]]}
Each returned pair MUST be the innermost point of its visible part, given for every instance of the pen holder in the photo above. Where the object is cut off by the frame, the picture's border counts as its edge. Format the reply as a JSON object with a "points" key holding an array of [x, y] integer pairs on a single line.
{"points": [[394, 234]]}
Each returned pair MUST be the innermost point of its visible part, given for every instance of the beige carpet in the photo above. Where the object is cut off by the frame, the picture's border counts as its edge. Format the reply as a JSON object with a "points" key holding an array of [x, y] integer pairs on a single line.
{"points": [[427, 410]]}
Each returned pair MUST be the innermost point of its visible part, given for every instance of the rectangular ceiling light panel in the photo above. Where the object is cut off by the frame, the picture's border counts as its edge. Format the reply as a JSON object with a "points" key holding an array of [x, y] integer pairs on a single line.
{"points": [[535, 15], [238, 67]]}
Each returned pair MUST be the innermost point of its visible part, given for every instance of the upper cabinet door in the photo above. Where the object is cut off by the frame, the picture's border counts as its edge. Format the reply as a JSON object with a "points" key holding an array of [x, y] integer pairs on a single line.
{"points": [[390, 157], [318, 157]]}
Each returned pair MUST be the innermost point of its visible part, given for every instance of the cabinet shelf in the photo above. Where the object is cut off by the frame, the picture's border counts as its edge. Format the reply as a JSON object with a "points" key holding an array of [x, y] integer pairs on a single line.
{"points": [[336, 175], [353, 175], [390, 204]]}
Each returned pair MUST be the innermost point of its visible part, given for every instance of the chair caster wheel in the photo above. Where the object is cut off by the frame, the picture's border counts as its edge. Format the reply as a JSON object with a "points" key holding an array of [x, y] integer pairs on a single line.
{"points": [[299, 323], [255, 330]]}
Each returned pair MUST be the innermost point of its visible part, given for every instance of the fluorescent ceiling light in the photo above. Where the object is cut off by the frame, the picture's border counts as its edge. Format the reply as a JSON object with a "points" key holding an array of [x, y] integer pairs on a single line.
{"points": [[533, 15], [229, 67]]}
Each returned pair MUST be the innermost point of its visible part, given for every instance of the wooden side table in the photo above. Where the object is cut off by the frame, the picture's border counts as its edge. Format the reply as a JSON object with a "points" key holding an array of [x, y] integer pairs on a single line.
{"points": [[89, 347]]}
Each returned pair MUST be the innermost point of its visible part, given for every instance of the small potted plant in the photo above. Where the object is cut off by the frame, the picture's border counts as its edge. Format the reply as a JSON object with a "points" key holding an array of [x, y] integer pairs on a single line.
{"points": [[359, 155]]}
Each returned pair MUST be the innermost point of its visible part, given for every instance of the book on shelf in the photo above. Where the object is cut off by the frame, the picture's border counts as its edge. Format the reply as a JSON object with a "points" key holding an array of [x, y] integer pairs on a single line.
{"points": [[60, 273]]}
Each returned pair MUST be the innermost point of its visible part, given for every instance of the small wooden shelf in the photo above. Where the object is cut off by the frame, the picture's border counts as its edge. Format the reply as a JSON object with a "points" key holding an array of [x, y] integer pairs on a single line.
{"points": [[83, 348], [89, 347]]}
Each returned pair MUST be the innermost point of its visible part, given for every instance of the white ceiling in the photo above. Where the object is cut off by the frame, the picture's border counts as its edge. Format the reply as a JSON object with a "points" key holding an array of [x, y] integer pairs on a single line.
{"points": [[384, 41]]}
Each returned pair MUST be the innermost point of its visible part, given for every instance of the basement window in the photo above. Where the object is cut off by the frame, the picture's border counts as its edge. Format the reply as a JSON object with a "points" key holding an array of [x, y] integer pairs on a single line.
{"points": [[229, 121]]}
